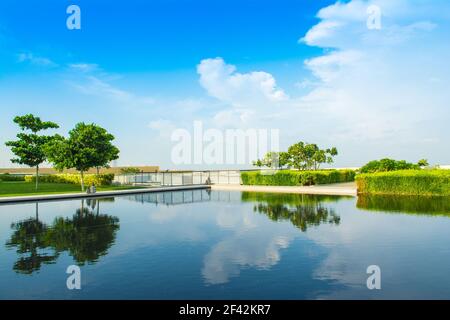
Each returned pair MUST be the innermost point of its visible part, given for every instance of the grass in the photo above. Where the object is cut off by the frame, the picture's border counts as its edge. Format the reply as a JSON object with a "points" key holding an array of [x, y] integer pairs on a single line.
{"points": [[20, 188], [405, 182], [297, 178]]}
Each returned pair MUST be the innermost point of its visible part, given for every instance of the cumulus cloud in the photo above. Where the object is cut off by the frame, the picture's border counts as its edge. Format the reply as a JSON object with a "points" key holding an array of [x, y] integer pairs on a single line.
{"points": [[380, 84], [254, 242], [240, 89]]}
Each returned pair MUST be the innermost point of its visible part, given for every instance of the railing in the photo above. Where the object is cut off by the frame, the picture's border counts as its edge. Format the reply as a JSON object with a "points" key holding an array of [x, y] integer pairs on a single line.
{"points": [[178, 178]]}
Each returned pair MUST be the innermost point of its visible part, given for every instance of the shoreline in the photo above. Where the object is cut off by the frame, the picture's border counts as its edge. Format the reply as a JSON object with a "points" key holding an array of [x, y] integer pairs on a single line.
{"points": [[336, 189], [100, 194]]}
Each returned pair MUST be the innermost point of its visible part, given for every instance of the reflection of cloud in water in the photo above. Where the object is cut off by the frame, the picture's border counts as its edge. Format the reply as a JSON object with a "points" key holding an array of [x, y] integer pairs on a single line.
{"points": [[255, 242], [377, 239]]}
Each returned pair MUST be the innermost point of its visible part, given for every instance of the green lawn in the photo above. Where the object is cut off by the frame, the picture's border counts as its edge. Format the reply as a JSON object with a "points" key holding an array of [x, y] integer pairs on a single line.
{"points": [[10, 189]]}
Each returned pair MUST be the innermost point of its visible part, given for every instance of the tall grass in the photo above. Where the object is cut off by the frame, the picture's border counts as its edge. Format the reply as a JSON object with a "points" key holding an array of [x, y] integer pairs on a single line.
{"points": [[297, 178], [405, 182]]}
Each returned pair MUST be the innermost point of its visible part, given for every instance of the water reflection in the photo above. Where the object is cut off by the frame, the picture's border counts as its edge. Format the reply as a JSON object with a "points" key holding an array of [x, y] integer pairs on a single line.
{"points": [[229, 244], [86, 236], [406, 204], [302, 211], [30, 240]]}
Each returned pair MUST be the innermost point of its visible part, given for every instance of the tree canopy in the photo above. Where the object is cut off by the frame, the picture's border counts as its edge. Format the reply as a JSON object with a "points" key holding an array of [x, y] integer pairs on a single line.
{"points": [[29, 148], [301, 156], [88, 146]]}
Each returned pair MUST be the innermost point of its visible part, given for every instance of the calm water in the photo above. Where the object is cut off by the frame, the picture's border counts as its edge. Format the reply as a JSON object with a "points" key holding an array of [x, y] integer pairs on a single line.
{"points": [[220, 245]]}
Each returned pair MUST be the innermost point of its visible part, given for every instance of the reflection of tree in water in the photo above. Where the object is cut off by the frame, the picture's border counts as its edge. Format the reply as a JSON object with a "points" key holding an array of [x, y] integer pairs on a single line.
{"points": [[303, 211], [87, 235], [30, 240]]}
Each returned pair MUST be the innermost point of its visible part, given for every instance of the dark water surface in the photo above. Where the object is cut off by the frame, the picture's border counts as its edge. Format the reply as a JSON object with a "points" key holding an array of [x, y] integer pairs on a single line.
{"points": [[226, 245]]}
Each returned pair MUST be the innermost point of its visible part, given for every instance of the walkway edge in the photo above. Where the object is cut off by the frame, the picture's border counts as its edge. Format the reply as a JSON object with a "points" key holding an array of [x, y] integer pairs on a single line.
{"points": [[100, 194], [318, 190]]}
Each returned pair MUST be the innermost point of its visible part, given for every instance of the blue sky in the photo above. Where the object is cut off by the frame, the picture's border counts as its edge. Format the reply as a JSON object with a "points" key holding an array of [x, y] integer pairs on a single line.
{"points": [[144, 68]]}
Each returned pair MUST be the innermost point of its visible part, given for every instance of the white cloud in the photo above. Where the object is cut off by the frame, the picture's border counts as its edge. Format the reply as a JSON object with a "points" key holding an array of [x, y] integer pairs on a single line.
{"points": [[35, 60], [239, 89], [84, 67], [89, 82], [375, 84]]}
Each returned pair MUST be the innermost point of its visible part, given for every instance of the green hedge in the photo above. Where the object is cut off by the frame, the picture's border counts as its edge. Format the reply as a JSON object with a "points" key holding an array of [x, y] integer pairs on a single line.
{"points": [[11, 177], [296, 178], [405, 182], [89, 179]]}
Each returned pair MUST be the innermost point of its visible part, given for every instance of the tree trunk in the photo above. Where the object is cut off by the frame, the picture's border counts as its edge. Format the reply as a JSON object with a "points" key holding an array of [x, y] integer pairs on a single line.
{"points": [[82, 180], [37, 211], [98, 170], [37, 176]]}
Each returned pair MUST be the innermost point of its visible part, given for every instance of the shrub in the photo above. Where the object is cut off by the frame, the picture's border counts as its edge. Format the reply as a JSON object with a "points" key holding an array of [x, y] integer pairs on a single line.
{"points": [[297, 178], [405, 182], [89, 179], [387, 165], [130, 170], [11, 177]]}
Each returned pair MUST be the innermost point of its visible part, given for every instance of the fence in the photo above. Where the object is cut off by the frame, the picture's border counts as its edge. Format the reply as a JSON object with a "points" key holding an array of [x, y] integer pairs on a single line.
{"points": [[175, 178]]}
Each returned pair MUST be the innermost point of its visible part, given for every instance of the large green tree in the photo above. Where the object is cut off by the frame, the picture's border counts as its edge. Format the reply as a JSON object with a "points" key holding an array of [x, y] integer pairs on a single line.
{"points": [[301, 156], [88, 146], [30, 146]]}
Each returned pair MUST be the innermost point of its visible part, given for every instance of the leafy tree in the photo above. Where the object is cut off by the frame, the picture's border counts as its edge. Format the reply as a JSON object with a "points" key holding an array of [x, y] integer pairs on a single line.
{"points": [[297, 156], [88, 146], [301, 156], [387, 164], [423, 163], [258, 163], [322, 156], [283, 159], [308, 156], [106, 151], [272, 160], [29, 148]]}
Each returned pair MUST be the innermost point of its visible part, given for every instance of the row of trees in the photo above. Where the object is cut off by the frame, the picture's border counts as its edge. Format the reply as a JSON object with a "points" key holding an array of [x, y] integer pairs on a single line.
{"points": [[301, 156], [87, 146]]}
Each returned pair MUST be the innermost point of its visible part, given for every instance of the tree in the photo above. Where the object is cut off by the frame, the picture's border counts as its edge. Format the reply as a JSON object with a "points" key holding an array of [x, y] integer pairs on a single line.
{"points": [[283, 159], [301, 156], [308, 156], [423, 163], [106, 151], [387, 164], [88, 146], [272, 160], [29, 148]]}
